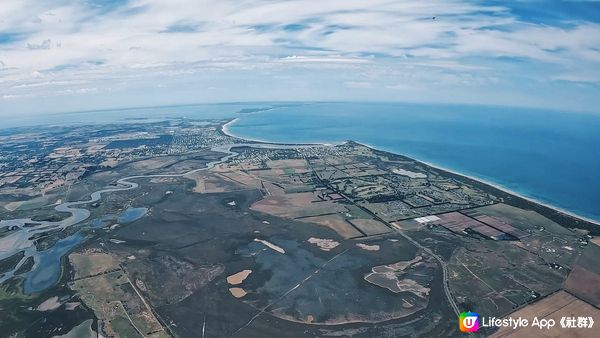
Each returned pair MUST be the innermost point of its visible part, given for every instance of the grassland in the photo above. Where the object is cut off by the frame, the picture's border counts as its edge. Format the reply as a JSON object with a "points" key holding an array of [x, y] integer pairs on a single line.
{"points": [[304, 242]]}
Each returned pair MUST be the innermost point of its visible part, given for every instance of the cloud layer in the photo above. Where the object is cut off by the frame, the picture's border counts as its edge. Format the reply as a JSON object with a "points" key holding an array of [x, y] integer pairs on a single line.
{"points": [[114, 52]]}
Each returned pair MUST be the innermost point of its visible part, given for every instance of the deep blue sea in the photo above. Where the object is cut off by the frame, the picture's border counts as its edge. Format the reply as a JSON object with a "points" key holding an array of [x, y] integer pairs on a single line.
{"points": [[550, 156]]}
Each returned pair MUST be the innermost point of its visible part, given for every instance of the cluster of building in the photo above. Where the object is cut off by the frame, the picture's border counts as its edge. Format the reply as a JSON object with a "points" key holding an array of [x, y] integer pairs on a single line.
{"points": [[58, 156]]}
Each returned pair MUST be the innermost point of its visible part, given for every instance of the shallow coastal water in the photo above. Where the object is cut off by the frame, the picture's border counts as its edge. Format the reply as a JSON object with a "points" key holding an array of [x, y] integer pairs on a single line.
{"points": [[551, 156]]}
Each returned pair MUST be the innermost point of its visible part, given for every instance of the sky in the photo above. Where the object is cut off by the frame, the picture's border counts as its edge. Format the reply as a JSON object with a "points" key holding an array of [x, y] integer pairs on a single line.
{"points": [[67, 55]]}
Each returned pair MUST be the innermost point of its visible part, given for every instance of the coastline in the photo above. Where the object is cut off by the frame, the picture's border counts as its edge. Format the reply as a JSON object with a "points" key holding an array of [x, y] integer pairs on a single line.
{"points": [[511, 192], [226, 131]]}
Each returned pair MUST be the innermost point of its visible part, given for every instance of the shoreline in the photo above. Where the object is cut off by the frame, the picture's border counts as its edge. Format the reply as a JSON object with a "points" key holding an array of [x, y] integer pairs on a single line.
{"points": [[226, 131]]}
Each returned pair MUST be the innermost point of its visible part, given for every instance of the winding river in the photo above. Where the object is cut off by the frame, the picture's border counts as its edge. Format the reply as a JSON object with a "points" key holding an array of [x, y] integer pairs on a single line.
{"points": [[46, 269]]}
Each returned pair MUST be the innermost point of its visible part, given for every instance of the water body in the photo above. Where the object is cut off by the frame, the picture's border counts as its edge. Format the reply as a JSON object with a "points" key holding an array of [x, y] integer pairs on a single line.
{"points": [[132, 115], [131, 214], [551, 156], [46, 269]]}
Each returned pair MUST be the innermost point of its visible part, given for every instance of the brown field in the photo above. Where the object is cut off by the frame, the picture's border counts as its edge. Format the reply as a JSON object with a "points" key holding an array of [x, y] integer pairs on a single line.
{"points": [[584, 284], [370, 226], [207, 183], [584, 278], [555, 307], [92, 263], [457, 223], [500, 225], [242, 179], [299, 165], [273, 189], [296, 205], [335, 222]]}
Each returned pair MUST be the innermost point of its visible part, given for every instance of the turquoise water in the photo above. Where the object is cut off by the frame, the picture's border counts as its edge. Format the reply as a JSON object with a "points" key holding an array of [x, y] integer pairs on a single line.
{"points": [[551, 156]]}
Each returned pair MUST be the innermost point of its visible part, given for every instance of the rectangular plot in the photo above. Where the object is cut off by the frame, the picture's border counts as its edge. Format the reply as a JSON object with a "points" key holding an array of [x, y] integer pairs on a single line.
{"points": [[459, 223], [370, 226]]}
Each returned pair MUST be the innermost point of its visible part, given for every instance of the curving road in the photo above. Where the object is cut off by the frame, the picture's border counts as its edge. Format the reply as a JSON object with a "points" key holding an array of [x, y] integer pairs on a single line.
{"points": [[414, 242]]}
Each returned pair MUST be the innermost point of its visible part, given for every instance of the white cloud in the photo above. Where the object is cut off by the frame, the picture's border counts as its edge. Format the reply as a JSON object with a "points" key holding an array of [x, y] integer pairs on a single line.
{"points": [[61, 45], [358, 84]]}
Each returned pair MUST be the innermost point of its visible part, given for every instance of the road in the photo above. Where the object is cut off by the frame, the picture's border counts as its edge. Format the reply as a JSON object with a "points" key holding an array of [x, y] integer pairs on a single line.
{"points": [[443, 264]]}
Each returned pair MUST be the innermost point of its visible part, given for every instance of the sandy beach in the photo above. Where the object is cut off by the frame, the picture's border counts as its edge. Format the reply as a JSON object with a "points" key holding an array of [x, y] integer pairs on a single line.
{"points": [[226, 131]]}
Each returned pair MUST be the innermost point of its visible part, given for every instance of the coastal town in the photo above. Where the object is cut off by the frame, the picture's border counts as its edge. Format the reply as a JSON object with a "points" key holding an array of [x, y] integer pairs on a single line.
{"points": [[93, 202], [59, 156]]}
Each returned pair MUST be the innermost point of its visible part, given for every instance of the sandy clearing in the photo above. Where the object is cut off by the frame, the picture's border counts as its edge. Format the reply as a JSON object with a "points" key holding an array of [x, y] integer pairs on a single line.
{"points": [[49, 304], [367, 247], [323, 243], [239, 277], [270, 245], [238, 292], [408, 173]]}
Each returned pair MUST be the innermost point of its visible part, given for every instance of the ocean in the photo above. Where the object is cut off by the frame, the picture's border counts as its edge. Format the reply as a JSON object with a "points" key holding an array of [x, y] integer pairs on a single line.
{"points": [[550, 156]]}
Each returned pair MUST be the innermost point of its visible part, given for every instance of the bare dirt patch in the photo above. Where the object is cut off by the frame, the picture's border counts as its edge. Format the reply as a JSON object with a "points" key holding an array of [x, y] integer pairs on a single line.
{"points": [[367, 247], [324, 244], [237, 292], [397, 277], [239, 277], [49, 304], [270, 245]]}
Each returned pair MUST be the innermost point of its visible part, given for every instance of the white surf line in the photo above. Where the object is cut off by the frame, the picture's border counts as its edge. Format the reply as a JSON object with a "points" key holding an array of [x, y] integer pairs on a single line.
{"points": [[227, 132], [491, 184]]}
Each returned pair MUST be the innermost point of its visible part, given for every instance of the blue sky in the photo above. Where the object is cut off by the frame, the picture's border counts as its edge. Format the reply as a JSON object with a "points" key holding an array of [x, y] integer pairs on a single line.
{"points": [[62, 55]]}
